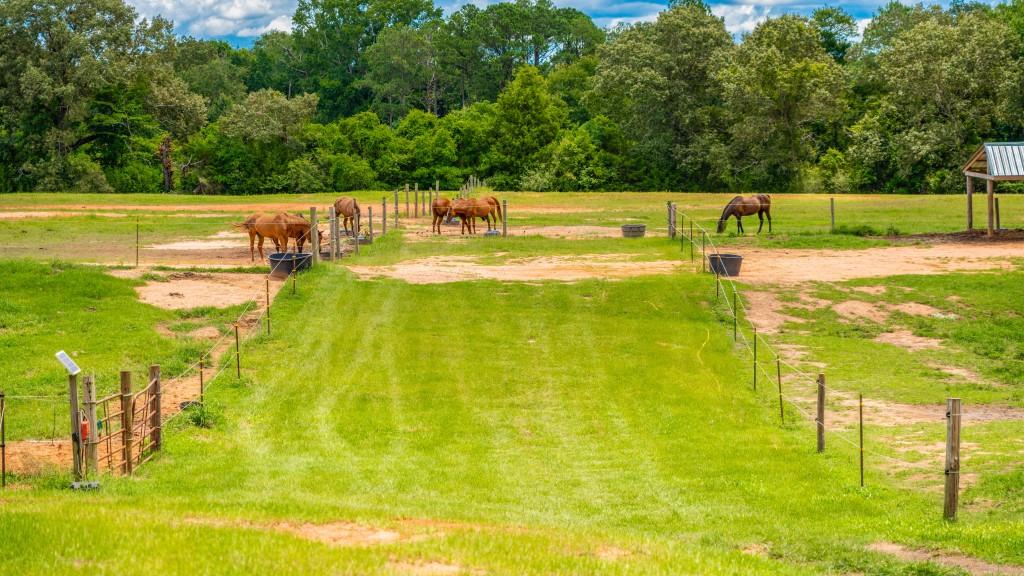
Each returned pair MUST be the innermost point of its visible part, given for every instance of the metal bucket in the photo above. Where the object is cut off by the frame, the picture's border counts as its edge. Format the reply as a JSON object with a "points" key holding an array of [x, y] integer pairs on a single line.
{"points": [[634, 230], [725, 264], [282, 264]]}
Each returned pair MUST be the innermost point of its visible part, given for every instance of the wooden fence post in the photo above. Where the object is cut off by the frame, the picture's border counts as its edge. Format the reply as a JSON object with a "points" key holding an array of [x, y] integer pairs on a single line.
{"points": [[952, 492], [91, 443], [267, 279], [126, 420], [383, 215], [406, 200], [671, 228], [820, 420], [369, 217], [832, 212], [860, 415], [238, 354], [504, 218], [76, 427], [3, 440], [334, 239], [357, 226], [155, 427], [314, 238], [778, 376], [396, 209]]}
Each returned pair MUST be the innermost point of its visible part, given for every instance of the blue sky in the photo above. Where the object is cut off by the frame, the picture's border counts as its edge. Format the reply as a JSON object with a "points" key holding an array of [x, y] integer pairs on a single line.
{"points": [[241, 21]]}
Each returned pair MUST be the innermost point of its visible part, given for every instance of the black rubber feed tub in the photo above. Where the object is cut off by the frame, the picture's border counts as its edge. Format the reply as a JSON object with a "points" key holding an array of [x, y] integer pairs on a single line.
{"points": [[725, 264], [634, 230], [283, 263]]}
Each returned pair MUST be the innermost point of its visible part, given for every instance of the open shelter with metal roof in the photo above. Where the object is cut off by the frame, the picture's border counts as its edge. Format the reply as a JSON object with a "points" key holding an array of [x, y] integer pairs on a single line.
{"points": [[993, 162]]}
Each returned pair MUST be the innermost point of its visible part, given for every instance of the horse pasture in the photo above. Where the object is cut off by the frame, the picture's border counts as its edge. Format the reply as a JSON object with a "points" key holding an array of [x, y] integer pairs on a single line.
{"points": [[560, 401]]}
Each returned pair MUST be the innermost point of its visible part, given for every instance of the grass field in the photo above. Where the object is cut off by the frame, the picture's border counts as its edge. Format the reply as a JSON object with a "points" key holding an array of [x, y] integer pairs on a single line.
{"points": [[486, 427]]}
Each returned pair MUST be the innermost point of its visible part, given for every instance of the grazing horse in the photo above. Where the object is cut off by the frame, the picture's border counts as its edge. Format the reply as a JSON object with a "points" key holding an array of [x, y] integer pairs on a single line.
{"points": [[468, 210], [348, 209], [740, 207], [273, 226], [249, 226], [298, 228], [440, 208]]}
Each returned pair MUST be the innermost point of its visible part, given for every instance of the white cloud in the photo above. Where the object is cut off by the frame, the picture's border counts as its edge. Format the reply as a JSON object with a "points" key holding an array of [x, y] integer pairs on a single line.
{"points": [[282, 23], [742, 18]]}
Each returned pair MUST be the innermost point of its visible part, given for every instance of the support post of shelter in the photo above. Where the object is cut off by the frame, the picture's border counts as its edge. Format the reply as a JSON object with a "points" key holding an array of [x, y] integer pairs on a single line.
{"points": [[990, 188]]}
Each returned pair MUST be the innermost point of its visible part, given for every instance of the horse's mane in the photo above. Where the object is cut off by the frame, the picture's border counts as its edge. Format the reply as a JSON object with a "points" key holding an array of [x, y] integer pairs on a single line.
{"points": [[728, 207]]}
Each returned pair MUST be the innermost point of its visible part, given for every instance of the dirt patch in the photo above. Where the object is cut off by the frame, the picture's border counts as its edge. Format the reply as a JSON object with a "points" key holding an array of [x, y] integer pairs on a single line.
{"points": [[205, 333], [199, 245], [341, 534], [971, 565], [756, 549], [33, 457], [841, 411], [907, 339], [431, 568], [798, 265], [958, 372], [612, 553], [873, 290], [183, 290], [764, 310], [438, 270], [568, 232], [918, 309], [857, 310]]}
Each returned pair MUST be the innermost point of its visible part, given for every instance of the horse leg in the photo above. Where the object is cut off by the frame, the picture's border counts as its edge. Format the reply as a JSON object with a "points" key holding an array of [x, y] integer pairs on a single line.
{"points": [[768, 213], [261, 248], [760, 217], [739, 225], [252, 240]]}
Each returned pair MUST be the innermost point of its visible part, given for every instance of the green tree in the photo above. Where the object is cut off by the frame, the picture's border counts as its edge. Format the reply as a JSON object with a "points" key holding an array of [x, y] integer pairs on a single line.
{"points": [[837, 28], [779, 86], [527, 120]]}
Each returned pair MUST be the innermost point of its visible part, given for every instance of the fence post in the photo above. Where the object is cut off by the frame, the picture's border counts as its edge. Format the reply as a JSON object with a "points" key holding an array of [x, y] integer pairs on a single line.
{"points": [[668, 211], [357, 226], [126, 420], [314, 238], [136, 241], [820, 420], [3, 441], [999, 226], [202, 384], [703, 251], [369, 216], [238, 354], [860, 415], [407, 200], [332, 216], [735, 315], [416, 199], [504, 218], [396, 209], [778, 376], [383, 215], [952, 494], [832, 212], [91, 452], [268, 307], [755, 358], [155, 429], [76, 427]]}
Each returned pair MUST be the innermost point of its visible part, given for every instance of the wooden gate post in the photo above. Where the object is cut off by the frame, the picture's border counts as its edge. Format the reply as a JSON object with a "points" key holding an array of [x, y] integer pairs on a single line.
{"points": [[91, 443], [76, 427], [126, 420], [952, 494], [820, 420], [155, 429], [504, 218], [383, 215]]}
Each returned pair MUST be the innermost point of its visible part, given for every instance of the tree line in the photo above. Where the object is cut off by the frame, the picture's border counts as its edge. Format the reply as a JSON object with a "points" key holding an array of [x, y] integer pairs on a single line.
{"points": [[378, 93]]}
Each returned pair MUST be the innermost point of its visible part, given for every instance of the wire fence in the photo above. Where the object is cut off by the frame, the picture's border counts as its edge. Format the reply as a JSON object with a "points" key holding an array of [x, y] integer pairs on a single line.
{"points": [[756, 346]]}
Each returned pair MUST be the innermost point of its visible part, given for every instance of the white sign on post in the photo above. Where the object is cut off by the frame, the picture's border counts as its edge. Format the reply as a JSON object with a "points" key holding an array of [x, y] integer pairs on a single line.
{"points": [[68, 363]]}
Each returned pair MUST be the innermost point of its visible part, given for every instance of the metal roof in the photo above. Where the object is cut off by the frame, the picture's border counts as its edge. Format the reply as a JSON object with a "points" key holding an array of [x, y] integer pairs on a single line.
{"points": [[998, 160]]}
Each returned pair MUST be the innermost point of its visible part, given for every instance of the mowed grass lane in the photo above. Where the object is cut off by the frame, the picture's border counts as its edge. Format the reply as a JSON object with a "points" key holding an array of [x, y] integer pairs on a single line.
{"points": [[518, 428]]}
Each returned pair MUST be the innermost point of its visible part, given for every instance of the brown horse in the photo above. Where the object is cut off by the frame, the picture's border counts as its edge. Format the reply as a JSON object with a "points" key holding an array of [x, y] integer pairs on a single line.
{"points": [[348, 209], [280, 228], [740, 207], [468, 210], [298, 228], [440, 208], [249, 226]]}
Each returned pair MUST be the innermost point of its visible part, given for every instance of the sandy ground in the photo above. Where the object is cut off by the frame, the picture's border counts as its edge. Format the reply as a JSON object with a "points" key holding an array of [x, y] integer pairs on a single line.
{"points": [[438, 270], [184, 290], [37, 214], [762, 266], [970, 565]]}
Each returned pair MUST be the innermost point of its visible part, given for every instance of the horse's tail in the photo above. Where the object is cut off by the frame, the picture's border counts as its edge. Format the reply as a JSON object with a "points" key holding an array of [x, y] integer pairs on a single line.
{"points": [[497, 206]]}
